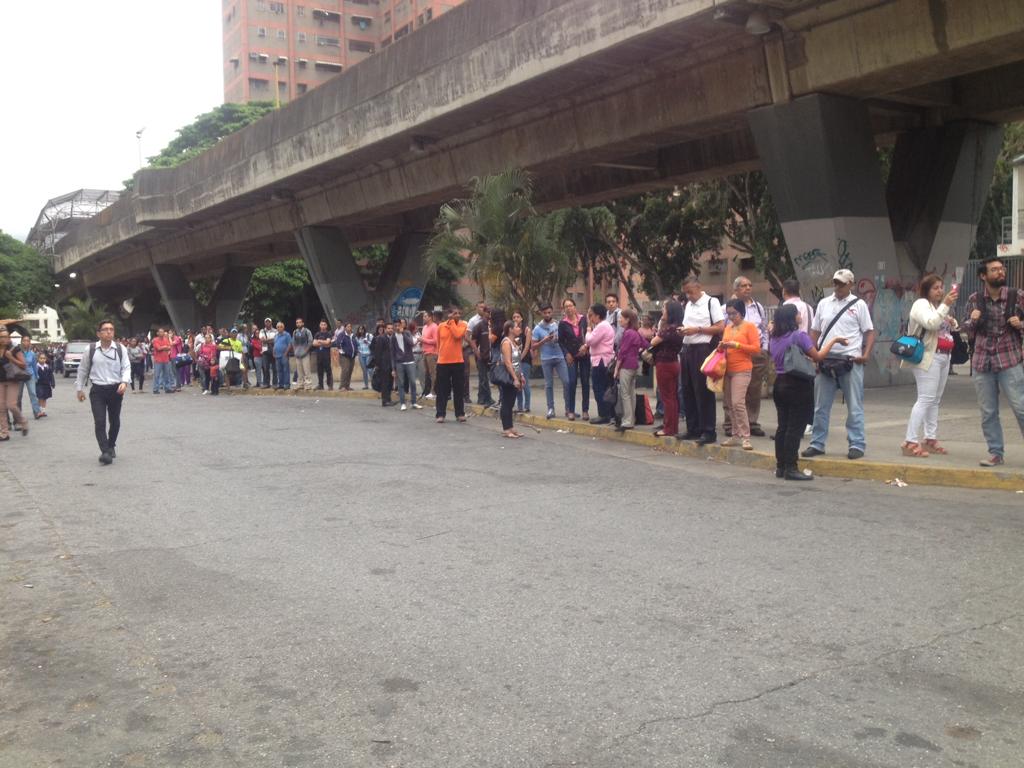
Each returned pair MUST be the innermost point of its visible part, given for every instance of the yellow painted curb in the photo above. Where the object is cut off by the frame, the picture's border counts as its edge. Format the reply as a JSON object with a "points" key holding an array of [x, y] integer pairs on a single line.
{"points": [[913, 474]]}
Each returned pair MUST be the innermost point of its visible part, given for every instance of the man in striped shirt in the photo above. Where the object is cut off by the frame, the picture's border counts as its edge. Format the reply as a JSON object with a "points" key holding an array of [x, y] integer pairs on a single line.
{"points": [[106, 367]]}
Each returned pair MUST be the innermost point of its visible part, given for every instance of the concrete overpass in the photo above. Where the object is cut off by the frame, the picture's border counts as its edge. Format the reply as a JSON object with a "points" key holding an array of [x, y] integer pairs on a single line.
{"points": [[598, 98]]}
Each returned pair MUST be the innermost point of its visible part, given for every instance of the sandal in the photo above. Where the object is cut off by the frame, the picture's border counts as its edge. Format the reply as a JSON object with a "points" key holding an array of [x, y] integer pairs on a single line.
{"points": [[913, 449], [571, 416], [659, 433], [511, 435], [439, 421], [461, 419], [934, 447]]}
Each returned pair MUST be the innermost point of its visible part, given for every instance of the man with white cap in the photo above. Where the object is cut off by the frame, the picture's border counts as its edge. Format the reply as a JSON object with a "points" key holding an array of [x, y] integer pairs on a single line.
{"points": [[267, 335], [841, 316]]}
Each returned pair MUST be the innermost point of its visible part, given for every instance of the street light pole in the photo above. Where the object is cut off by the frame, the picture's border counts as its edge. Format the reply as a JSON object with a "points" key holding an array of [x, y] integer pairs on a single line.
{"points": [[138, 136]]}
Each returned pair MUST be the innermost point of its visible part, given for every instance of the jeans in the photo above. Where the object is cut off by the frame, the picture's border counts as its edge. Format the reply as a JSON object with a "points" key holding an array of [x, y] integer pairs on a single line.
{"points": [[284, 373], [924, 418], [988, 384], [625, 406], [163, 376], [451, 379], [579, 371], [106, 403], [667, 375], [406, 377], [523, 396], [30, 385], [257, 365], [852, 385], [599, 378], [794, 403], [550, 368], [364, 363]]}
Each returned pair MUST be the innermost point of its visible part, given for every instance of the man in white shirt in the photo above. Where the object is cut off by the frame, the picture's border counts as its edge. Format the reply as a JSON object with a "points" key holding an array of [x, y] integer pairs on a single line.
{"points": [[843, 369], [703, 321], [791, 295], [267, 335], [106, 367]]}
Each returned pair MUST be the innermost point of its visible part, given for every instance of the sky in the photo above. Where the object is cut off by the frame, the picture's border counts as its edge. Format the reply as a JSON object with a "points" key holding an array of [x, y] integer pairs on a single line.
{"points": [[85, 78]]}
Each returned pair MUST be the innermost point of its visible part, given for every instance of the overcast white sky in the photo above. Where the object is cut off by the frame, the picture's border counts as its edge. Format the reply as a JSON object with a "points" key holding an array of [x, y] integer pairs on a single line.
{"points": [[85, 77]]}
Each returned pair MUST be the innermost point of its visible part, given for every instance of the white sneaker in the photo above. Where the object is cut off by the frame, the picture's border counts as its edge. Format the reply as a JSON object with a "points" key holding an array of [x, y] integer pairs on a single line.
{"points": [[808, 430], [431, 396], [404, 407], [417, 406], [206, 391]]}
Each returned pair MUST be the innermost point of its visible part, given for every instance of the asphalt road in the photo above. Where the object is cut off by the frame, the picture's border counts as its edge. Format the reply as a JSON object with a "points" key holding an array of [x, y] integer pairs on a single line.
{"points": [[289, 582]]}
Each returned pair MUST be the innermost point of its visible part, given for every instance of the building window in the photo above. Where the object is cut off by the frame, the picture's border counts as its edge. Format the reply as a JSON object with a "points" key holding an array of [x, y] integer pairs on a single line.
{"points": [[301, 37], [277, 7], [327, 66], [402, 31], [301, 88], [362, 22], [321, 15], [281, 34], [302, 63], [385, 42], [430, 14], [261, 31], [258, 84], [261, 5], [387, 17], [360, 46], [331, 42], [300, 10]]}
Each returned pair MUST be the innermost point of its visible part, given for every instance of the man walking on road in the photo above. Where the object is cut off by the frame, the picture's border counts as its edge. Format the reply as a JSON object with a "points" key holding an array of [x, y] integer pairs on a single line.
{"points": [[106, 368], [842, 316], [995, 324]]}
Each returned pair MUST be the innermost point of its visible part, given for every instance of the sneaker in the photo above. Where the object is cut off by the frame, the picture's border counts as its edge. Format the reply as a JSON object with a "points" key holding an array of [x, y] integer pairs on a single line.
{"points": [[855, 453], [205, 392], [417, 406], [746, 446], [431, 396], [992, 461], [551, 413], [404, 407], [112, 452], [808, 430], [756, 432], [730, 442], [810, 452]]}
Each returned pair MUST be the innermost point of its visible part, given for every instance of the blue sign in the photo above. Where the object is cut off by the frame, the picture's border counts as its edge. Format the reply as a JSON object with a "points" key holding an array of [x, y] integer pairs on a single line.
{"points": [[406, 305]]}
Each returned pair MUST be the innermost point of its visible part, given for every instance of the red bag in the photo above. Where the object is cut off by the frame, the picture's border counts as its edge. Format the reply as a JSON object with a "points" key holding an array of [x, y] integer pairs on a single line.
{"points": [[945, 345], [643, 415]]}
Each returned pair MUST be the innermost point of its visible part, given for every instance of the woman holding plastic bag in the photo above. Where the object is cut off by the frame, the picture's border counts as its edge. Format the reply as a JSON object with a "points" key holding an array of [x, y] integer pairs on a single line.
{"points": [[665, 348]]}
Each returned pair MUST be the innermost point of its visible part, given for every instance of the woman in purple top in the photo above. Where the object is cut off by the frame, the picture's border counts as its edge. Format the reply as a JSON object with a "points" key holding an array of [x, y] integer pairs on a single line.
{"points": [[626, 364], [793, 395]]}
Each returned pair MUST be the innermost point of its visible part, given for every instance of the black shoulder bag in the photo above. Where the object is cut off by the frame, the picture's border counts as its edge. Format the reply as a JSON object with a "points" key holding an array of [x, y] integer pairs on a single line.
{"points": [[835, 366]]}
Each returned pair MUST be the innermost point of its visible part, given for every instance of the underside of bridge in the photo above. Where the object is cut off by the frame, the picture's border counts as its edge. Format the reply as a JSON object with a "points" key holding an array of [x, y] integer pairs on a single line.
{"points": [[599, 99]]}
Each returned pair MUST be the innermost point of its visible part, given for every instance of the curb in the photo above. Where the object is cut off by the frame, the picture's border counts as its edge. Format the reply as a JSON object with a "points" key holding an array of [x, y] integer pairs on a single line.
{"points": [[852, 470]]}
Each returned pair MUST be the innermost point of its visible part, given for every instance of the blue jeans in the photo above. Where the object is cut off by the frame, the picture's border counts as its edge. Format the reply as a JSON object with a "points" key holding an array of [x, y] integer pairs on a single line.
{"points": [[852, 386], [579, 371], [988, 385], [30, 385], [559, 366], [163, 376], [406, 373], [523, 398], [257, 365], [284, 373], [364, 361]]}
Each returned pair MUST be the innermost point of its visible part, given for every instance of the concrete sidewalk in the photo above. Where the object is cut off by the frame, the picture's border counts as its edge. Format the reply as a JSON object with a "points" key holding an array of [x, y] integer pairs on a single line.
{"points": [[886, 409]]}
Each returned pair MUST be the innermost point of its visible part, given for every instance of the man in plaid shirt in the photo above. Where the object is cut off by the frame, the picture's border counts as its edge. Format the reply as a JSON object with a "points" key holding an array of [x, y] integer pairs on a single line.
{"points": [[996, 326]]}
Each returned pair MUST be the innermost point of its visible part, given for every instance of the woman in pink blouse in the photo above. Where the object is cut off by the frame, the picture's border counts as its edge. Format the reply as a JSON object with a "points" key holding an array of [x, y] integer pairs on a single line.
{"points": [[600, 344]]}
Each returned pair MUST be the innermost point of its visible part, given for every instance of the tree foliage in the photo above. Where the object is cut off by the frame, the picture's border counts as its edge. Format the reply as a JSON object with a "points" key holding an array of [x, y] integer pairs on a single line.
{"points": [[281, 291], [1000, 197], [26, 278], [80, 317], [512, 252]]}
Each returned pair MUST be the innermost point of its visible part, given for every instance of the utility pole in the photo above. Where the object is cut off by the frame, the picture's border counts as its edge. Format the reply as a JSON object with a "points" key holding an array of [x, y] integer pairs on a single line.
{"points": [[138, 137]]}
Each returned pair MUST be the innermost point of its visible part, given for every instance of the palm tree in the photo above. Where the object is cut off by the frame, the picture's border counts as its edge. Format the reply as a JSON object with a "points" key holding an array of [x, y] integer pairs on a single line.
{"points": [[512, 252], [80, 318]]}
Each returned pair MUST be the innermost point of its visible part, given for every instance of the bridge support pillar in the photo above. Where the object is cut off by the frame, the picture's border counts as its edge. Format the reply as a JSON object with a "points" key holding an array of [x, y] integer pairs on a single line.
{"points": [[335, 275], [177, 295], [144, 312], [402, 281], [229, 295], [824, 173]]}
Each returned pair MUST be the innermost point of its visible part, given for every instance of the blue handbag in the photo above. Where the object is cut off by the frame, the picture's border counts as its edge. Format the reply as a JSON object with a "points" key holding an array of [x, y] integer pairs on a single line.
{"points": [[910, 348]]}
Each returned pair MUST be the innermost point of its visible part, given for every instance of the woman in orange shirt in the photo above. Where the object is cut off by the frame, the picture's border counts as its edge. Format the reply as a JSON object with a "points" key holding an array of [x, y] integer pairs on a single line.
{"points": [[740, 340]]}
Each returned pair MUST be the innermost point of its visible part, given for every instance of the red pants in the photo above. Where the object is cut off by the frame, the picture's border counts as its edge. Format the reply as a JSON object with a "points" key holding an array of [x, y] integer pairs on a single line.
{"points": [[668, 386]]}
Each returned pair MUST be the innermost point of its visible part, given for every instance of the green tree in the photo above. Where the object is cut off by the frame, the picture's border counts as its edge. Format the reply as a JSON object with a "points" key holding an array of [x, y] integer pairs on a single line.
{"points": [[281, 290], [1000, 197], [26, 278], [80, 318], [510, 250]]}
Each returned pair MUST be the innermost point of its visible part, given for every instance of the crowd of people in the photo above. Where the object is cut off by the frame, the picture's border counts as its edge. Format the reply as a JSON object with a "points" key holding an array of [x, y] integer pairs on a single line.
{"points": [[697, 349]]}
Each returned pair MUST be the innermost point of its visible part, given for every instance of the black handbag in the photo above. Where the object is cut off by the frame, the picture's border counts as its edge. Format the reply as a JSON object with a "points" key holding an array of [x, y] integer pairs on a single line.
{"points": [[960, 354], [611, 395]]}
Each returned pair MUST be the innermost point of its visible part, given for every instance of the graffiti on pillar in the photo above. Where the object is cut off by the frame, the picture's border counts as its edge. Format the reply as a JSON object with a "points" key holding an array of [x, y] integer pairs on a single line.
{"points": [[407, 304], [843, 254], [813, 262], [817, 294], [867, 291]]}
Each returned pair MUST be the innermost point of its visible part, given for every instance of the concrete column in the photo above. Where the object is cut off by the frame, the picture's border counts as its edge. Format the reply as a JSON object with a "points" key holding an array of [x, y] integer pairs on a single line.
{"points": [[229, 295], [825, 178], [400, 289], [177, 296], [938, 185], [335, 275], [144, 312]]}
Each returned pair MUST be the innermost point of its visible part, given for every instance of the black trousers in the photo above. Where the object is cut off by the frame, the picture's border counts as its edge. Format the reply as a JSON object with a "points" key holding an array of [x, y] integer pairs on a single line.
{"points": [[269, 370], [139, 373], [387, 383], [451, 376], [106, 404], [508, 401], [794, 401], [323, 366], [698, 400]]}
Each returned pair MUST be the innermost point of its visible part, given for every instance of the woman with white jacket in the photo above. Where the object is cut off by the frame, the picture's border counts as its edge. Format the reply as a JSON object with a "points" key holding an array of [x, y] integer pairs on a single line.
{"points": [[930, 314]]}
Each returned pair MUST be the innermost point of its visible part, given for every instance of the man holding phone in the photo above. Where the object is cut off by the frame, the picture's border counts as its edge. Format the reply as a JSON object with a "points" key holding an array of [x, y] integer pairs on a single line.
{"points": [[552, 358]]}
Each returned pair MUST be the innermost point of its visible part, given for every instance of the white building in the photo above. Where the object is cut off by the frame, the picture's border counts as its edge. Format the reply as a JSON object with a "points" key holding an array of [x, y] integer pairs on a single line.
{"points": [[44, 324]]}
